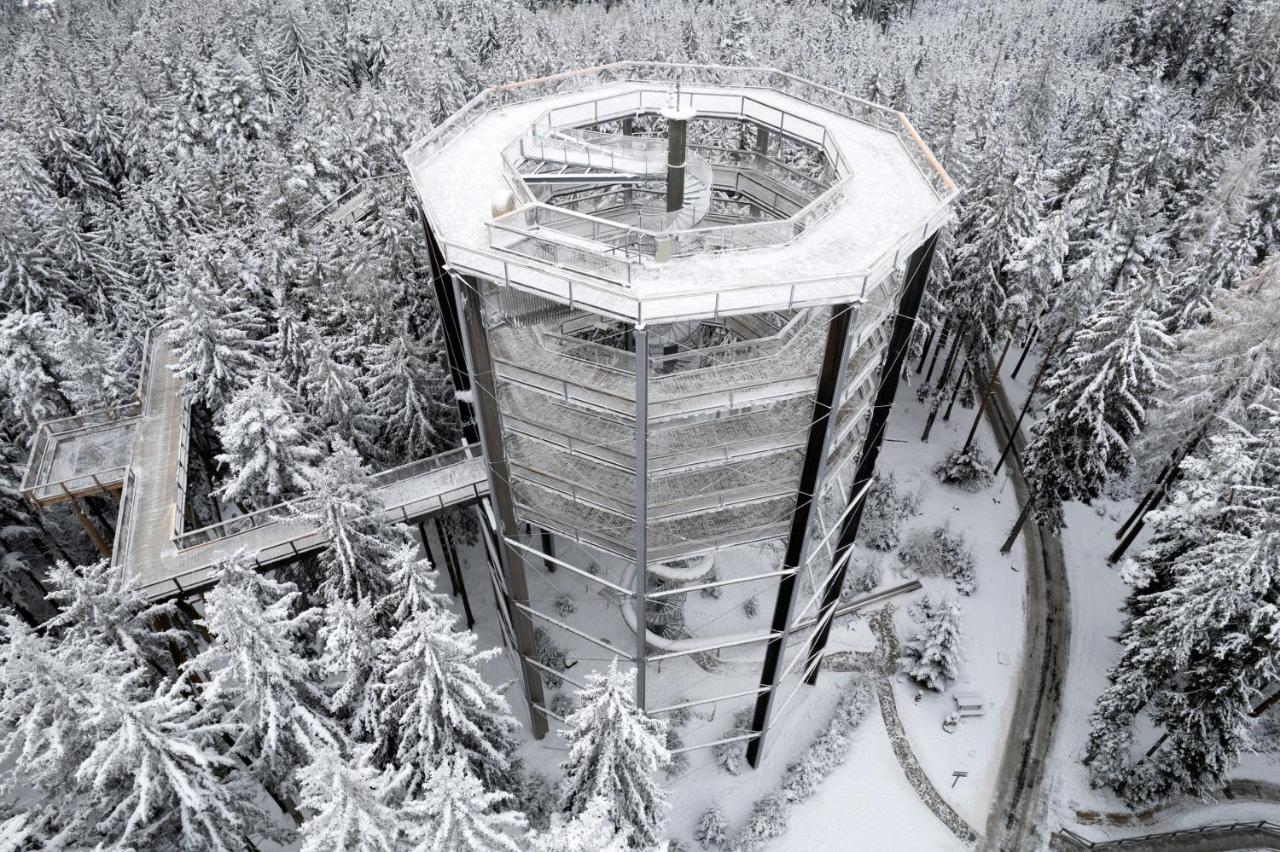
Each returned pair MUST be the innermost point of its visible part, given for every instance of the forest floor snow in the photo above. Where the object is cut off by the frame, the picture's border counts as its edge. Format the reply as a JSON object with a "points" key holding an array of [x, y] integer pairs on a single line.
{"points": [[869, 795], [1097, 595]]}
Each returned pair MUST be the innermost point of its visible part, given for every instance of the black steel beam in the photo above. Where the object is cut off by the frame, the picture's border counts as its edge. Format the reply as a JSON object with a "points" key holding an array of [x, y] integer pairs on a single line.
{"points": [[467, 295], [899, 341], [453, 342], [830, 382]]}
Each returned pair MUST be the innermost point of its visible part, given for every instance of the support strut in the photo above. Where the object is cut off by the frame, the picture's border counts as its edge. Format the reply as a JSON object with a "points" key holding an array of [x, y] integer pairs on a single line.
{"points": [[899, 342], [835, 361]]}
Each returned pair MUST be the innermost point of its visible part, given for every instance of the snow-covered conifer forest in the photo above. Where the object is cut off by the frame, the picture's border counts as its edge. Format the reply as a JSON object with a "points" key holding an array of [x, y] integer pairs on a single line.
{"points": [[1099, 596]]}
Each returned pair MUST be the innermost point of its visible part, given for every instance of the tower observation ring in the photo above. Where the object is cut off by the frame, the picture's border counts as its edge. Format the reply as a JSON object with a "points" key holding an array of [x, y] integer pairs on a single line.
{"points": [[699, 273]]}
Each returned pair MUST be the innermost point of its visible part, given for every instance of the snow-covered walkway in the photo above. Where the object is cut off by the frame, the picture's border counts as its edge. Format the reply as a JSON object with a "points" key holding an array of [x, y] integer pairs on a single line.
{"points": [[145, 543]]}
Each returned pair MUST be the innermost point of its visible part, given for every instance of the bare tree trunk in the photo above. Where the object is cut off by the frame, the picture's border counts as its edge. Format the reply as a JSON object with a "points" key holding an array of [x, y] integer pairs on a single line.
{"points": [[1018, 524], [986, 393], [1155, 497], [1026, 347], [942, 381], [965, 369], [1026, 406], [942, 344], [928, 343]]}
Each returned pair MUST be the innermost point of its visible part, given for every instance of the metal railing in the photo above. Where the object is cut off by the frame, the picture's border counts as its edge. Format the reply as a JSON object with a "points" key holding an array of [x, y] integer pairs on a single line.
{"points": [[180, 485], [45, 442], [676, 302], [249, 521], [122, 543], [667, 73], [1069, 839], [609, 106]]}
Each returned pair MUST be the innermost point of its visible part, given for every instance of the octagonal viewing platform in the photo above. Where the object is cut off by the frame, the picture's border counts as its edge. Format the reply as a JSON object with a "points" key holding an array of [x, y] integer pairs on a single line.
{"points": [[798, 195]]}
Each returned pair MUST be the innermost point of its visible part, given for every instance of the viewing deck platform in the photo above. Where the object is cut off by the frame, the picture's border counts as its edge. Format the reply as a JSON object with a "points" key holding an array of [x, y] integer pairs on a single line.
{"points": [[134, 453]]}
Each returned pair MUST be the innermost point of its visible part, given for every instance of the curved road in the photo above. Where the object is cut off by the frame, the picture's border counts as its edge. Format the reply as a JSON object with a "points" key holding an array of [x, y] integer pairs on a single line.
{"points": [[1016, 820]]}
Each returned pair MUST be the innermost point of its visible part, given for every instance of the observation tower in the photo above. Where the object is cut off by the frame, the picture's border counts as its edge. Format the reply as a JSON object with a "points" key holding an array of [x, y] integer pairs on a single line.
{"points": [[700, 274]]}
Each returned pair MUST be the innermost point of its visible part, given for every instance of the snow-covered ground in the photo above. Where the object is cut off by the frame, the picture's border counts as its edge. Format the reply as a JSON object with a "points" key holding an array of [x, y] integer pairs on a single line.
{"points": [[866, 805], [993, 619], [869, 795], [1097, 595]]}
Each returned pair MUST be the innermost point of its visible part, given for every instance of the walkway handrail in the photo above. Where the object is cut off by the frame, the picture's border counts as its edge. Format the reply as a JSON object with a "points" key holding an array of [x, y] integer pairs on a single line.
{"points": [[1261, 827], [274, 513], [122, 543], [677, 302], [666, 73]]}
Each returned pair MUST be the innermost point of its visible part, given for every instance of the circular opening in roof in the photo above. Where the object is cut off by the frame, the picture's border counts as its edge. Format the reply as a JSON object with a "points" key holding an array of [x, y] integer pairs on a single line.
{"points": [[737, 172]]}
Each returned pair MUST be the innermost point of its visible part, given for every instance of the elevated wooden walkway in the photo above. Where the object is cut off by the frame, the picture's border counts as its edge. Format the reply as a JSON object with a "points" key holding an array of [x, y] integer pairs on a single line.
{"points": [[168, 564]]}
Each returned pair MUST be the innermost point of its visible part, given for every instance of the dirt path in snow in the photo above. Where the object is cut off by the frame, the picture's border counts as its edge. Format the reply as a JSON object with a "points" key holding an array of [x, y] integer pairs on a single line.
{"points": [[1015, 822]]}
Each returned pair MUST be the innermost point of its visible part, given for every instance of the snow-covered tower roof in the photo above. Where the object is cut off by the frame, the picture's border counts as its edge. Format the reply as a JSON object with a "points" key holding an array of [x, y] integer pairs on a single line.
{"points": [[866, 191]]}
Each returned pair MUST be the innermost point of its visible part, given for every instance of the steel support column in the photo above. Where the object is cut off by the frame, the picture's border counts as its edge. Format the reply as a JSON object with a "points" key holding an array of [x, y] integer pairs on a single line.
{"points": [[899, 341], [641, 335], [835, 361], [549, 548], [489, 427], [449, 324], [677, 129]]}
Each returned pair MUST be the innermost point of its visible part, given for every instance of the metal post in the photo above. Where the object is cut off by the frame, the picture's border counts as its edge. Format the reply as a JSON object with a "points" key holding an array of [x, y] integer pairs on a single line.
{"points": [[899, 342], [549, 548], [835, 361], [642, 505], [467, 297], [677, 136]]}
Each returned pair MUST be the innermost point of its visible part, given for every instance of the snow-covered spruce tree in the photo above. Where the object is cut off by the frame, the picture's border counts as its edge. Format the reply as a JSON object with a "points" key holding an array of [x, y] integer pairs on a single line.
{"points": [[435, 703], [713, 828], [155, 762], [1222, 367], [615, 752], [767, 821], [259, 683], [349, 808], [999, 216], [351, 639], [106, 758], [967, 469], [931, 656], [413, 582], [457, 814], [212, 333], [593, 830], [886, 511], [1097, 403], [100, 604], [335, 403], [268, 455], [1198, 650], [341, 505], [940, 551], [29, 373], [862, 576], [407, 392], [92, 363]]}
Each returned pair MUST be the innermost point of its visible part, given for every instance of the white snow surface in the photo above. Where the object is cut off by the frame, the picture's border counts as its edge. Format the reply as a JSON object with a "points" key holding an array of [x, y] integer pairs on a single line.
{"points": [[868, 798], [887, 199]]}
